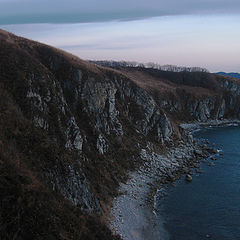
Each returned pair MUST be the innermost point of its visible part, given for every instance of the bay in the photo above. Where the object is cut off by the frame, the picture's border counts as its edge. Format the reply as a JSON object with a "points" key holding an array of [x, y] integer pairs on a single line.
{"points": [[209, 206]]}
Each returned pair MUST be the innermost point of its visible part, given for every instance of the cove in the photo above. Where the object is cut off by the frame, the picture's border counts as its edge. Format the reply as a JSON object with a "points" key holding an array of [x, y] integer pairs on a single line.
{"points": [[209, 206]]}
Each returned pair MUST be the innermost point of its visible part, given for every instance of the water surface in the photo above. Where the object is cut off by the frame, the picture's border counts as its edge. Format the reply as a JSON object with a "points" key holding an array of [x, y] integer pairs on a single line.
{"points": [[209, 207]]}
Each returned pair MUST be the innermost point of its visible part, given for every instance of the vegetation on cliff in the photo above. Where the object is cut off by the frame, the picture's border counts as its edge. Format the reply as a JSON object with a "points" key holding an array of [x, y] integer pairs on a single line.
{"points": [[70, 130]]}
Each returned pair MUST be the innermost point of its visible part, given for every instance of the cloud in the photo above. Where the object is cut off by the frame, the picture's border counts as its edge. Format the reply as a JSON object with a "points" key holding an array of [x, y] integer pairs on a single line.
{"points": [[211, 42], [28, 11]]}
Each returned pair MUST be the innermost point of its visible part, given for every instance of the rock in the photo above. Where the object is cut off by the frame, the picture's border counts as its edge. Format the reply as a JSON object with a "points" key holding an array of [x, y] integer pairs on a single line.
{"points": [[221, 153], [170, 177], [198, 153], [185, 170], [102, 145], [212, 150], [188, 178], [198, 171], [190, 138], [195, 165], [221, 110]]}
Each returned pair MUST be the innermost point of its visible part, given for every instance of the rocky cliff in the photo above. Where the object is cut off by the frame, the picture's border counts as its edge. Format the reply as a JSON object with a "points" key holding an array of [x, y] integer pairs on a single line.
{"points": [[71, 130]]}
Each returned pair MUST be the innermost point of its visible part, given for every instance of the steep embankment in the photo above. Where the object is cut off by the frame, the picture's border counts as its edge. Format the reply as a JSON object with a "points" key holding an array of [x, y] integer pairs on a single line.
{"points": [[190, 96], [71, 130]]}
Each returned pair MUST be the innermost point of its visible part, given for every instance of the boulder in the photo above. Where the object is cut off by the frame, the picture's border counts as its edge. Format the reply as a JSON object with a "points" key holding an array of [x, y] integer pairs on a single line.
{"points": [[212, 150], [188, 178]]}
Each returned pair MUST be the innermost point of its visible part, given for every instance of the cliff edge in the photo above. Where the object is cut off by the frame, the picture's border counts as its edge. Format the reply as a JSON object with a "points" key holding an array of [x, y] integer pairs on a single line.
{"points": [[71, 130]]}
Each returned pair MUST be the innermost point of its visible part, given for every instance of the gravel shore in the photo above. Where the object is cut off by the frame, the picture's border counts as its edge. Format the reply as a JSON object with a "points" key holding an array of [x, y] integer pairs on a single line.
{"points": [[210, 123], [133, 211], [132, 214]]}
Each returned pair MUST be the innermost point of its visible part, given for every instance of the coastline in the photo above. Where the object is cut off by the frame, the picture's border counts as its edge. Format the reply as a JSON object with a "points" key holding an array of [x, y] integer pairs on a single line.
{"points": [[132, 214], [211, 123], [133, 211]]}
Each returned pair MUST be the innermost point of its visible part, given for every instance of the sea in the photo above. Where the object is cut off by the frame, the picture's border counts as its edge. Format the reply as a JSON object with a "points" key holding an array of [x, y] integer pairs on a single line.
{"points": [[209, 206]]}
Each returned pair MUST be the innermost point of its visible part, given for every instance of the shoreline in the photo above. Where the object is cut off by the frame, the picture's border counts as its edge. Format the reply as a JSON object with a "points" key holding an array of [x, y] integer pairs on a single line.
{"points": [[211, 123], [133, 211], [132, 214]]}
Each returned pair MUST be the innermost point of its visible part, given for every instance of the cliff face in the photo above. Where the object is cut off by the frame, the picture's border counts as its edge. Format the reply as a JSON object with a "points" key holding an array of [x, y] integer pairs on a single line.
{"points": [[73, 129], [189, 96]]}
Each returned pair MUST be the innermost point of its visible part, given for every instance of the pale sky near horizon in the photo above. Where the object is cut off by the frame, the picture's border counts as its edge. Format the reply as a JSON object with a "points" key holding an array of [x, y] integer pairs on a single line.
{"points": [[202, 33]]}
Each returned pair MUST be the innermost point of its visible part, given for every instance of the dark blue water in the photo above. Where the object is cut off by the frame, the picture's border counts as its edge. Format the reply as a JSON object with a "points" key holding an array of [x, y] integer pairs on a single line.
{"points": [[209, 206]]}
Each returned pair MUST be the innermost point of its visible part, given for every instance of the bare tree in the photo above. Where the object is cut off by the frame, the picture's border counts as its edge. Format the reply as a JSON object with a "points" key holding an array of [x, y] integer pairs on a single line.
{"points": [[168, 67]]}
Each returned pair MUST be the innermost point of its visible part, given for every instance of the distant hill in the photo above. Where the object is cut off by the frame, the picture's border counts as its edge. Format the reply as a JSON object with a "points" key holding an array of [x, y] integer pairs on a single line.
{"points": [[234, 75]]}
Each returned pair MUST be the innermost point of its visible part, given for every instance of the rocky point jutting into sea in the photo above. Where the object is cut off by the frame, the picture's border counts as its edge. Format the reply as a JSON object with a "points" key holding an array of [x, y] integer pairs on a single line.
{"points": [[74, 134]]}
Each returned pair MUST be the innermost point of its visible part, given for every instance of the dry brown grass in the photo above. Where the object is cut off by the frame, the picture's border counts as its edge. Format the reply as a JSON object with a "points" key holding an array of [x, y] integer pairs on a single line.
{"points": [[22, 42], [146, 81], [150, 83]]}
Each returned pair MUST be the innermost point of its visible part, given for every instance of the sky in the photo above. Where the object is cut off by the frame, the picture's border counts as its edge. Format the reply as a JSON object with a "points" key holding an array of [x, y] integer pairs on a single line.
{"points": [[202, 33]]}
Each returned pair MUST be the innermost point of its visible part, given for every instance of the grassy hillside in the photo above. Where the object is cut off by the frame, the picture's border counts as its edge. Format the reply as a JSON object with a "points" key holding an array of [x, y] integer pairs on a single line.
{"points": [[70, 131]]}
